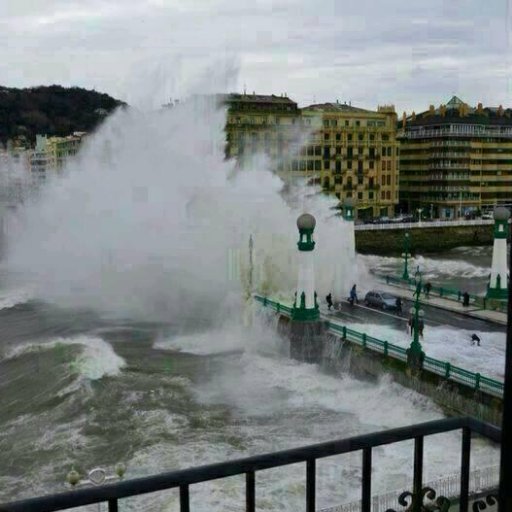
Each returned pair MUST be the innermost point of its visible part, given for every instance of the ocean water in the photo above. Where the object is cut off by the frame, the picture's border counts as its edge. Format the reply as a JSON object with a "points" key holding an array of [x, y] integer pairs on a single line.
{"points": [[126, 335]]}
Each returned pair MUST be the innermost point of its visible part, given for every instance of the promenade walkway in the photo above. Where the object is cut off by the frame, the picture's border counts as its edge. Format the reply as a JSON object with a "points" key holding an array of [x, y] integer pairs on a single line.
{"points": [[473, 380], [448, 304]]}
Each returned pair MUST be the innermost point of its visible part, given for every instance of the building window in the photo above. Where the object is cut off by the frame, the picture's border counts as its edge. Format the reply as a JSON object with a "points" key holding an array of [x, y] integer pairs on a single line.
{"points": [[334, 122], [349, 137], [318, 150], [326, 165], [338, 137], [349, 164], [295, 165], [389, 180], [338, 166], [370, 195], [311, 166], [385, 137], [359, 195], [347, 123], [360, 137], [327, 136], [318, 165], [358, 123], [359, 179], [326, 123], [302, 165], [372, 137], [371, 164]]}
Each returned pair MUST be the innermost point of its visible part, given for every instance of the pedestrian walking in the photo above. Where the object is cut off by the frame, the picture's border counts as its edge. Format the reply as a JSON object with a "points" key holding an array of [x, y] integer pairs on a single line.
{"points": [[428, 287], [411, 323], [353, 295], [328, 299], [399, 305], [465, 299], [421, 326]]}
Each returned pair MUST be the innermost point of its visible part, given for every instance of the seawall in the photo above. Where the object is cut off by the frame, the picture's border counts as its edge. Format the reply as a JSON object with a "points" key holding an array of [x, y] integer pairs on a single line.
{"points": [[390, 242], [333, 352]]}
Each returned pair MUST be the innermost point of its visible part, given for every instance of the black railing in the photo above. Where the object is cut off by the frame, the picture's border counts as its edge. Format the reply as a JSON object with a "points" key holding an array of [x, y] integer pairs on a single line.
{"points": [[183, 479]]}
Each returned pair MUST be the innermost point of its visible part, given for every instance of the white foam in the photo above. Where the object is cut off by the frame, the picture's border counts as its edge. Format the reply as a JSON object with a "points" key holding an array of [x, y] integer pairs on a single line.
{"points": [[96, 360], [451, 345], [431, 268], [12, 297]]}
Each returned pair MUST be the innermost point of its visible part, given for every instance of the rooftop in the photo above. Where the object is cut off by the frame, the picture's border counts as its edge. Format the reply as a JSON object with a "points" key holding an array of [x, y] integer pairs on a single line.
{"points": [[255, 98], [335, 107], [457, 111]]}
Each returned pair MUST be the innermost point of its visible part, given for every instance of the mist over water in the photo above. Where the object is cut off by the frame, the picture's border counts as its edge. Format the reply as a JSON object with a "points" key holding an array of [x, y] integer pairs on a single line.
{"points": [[151, 221]]}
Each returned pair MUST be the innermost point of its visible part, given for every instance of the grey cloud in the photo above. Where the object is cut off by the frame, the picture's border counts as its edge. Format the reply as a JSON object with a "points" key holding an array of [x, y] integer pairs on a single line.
{"points": [[410, 53]]}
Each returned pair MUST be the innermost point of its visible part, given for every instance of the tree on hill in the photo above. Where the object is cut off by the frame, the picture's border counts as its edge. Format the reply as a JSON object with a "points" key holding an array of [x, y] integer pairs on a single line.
{"points": [[51, 110]]}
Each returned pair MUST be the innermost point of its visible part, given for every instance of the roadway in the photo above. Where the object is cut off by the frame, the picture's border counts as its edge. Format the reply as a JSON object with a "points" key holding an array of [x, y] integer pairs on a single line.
{"points": [[359, 313]]}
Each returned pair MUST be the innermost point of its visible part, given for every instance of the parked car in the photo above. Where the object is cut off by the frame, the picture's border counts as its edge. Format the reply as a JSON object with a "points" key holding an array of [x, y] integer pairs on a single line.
{"points": [[381, 300]]}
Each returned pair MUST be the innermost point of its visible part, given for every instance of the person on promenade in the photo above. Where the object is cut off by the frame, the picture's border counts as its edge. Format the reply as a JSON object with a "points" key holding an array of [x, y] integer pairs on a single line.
{"points": [[329, 301], [474, 338], [428, 287], [421, 326], [353, 296], [465, 299], [399, 305]]}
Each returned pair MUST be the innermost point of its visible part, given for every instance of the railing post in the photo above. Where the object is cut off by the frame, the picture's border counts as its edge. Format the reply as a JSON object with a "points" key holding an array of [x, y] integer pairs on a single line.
{"points": [[477, 381], [250, 494], [364, 340], [184, 499], [418, 474], [344, 332], [112, 505], [278, 307], [385, 348], [464, 469], [447, 369], [366, 496], [264, 301], [310, 485]]}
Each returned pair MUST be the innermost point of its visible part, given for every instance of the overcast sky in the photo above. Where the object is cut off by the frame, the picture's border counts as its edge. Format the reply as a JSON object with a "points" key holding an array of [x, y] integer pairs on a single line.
{"points": [[407, 52]]}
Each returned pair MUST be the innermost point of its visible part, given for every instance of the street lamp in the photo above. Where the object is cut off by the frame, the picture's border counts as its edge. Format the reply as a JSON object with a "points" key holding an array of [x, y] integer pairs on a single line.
{"points": [[415, 354], [96, 477], [406, 255]]}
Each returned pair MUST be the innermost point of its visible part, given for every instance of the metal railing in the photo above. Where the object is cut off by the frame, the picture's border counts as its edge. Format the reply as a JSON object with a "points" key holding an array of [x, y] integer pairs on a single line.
{"points": [[184, 479], [480, 480], [424, 224], [456, 130], [473, 380], [452, 294]]}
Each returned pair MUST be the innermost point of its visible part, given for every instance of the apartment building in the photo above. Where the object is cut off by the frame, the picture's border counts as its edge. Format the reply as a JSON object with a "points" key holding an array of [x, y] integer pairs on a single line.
{"points": [[260, 124], [455, 159], [352, 153]]}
